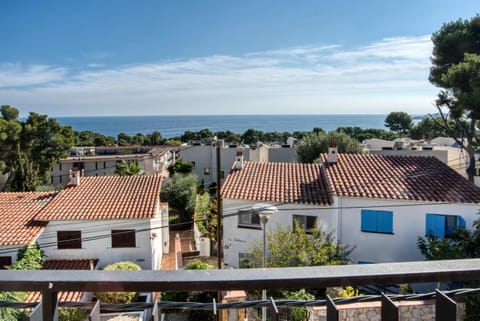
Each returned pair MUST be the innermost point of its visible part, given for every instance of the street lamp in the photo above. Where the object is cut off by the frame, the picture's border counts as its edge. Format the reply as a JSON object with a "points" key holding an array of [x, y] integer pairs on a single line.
{"points": [[264, 212]]}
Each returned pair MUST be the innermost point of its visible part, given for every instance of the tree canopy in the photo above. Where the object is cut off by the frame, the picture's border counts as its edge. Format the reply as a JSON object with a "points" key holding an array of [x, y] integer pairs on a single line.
{"points": [[295, 247], [180, 192], [29, 149], [455, 68], [313, 144], [399, 122]]}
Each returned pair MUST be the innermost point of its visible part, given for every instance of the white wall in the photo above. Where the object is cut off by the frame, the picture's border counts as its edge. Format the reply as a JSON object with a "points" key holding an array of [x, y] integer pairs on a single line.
{"points": [[241, 240], [408, 225], [100, 246]]}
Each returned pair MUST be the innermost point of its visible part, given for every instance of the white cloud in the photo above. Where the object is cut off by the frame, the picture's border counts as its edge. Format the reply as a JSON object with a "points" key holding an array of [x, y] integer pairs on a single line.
{"points": [[379, 77]]}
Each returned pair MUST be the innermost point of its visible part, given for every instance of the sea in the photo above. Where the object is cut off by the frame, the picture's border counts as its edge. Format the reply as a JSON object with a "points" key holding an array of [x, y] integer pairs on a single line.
{"points": [[172, 126]]}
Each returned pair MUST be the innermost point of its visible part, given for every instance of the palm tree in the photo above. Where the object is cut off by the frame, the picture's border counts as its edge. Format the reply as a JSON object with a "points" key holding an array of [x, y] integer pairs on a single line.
{"points": [[128, 169]]}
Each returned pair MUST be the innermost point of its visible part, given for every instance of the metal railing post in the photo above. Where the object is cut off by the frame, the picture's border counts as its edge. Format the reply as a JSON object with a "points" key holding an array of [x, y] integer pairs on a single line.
{"points": [[445, 308], [49, 305], [332, 310], [389, 309]]}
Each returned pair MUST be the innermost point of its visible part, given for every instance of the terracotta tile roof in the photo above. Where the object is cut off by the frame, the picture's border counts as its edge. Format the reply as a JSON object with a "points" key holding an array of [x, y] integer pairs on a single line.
{"points": [[74, 296], [278, 182], [106, 198], [398, 177], [16, 213]]}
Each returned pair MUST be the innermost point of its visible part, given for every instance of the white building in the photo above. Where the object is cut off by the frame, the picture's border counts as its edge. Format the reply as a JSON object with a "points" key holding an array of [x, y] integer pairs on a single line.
{"points": [[379, 204], [205, 158], [101, 161], [109, 218]]}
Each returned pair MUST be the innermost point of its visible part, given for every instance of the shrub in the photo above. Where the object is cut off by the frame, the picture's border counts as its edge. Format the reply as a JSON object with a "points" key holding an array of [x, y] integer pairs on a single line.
{"points": [[72, 314], [119, 297]]}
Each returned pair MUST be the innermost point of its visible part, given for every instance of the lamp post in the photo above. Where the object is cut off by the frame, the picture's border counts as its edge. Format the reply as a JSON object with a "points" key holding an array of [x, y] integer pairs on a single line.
{"points": [[264, 212]]}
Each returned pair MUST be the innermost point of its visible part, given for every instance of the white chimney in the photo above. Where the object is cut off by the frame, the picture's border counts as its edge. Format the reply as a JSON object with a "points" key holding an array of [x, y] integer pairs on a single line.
{"points": [[75, 176], [239, 159], [332, 153]]}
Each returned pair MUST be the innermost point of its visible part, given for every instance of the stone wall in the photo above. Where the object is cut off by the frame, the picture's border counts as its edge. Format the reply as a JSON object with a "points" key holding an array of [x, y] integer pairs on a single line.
{"points": [[370, 311]]}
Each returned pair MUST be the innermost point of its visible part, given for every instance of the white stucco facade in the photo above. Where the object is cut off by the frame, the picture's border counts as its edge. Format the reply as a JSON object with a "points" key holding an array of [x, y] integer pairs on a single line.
{"points": [[240, 239], [344, 220]]}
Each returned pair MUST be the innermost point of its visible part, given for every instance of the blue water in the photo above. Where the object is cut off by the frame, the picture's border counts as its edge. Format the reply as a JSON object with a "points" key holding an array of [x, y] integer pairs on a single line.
{"points": [[170, 126]]}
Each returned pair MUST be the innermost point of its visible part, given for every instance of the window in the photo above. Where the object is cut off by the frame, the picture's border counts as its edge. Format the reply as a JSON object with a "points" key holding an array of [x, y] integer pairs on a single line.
{"points": [[123, 238], [69, 240], [377, 221], [245, 260], [248, 218], [442, 225], [96, 165], [60, 167], [5, 261], [306, 222]]}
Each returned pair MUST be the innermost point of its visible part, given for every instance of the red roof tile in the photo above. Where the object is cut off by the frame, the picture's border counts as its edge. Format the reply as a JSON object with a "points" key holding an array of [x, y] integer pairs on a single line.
{"points": [[16, 213], [74, 296], [106, 198], [278, 182], [398, 177]]}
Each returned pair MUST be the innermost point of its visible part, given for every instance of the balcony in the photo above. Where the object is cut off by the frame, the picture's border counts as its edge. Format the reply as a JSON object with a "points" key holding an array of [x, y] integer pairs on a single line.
{"points": [[50, 283]]}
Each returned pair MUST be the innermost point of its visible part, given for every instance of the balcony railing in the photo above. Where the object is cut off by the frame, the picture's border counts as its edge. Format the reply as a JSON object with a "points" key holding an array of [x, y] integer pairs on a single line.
{"points": [[50, 282]]}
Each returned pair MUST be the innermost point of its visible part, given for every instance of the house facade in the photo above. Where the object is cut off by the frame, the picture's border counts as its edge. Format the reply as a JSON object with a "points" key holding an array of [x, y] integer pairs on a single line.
{"points": [[109, 218], [378, 204]]}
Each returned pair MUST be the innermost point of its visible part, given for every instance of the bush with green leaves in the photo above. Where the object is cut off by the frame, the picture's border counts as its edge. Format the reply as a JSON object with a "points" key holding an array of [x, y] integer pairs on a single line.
{"points": [[72, 314], [119, 297]]}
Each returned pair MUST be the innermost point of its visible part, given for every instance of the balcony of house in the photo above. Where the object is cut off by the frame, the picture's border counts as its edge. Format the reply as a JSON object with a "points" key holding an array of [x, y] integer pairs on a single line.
{"points": [[443, 305]]}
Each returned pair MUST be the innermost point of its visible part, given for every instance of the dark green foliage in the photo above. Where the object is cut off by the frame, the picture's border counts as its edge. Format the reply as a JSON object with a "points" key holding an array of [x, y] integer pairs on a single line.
{"points": [[88, 138], [29, 149], [180, 192], [312, 145], [72, 314], [461, 245], [399, 122], [181, 166], [456, 69]]}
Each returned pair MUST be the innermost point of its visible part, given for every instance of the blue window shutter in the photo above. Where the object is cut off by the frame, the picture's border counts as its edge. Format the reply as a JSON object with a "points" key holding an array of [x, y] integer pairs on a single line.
{"points": [[369, 221], [384, 222], [435, 224], [461, 222]]}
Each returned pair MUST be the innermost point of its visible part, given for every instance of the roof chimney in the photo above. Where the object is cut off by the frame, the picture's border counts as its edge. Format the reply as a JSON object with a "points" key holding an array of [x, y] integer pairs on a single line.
{"points": [[239, 159], [75, 176], [332, 153]]}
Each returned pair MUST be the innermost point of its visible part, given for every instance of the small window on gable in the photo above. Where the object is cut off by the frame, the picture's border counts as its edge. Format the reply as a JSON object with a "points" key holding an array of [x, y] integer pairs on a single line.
{"points": [[440, 225], [5, 261], [306, 222], [69, 240], [248, 218], [377, 221], [123, 238]]}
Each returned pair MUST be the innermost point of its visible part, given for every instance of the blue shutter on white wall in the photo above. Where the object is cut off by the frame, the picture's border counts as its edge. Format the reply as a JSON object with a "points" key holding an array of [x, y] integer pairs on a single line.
{"points": [[369, 221], [461, 222], [435, 224], [384, 222]]}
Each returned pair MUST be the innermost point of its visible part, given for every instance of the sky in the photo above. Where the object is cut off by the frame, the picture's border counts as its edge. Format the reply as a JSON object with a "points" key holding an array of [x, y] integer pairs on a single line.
{"points": [[171, 57]]}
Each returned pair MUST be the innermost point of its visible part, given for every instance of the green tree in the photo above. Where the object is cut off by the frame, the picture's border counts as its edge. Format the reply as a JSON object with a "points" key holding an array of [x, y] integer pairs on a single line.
{"points": [[399, 122], [28, 258], [155, 139], [251, 136], [180, 192], [462, 244], [124, 168], [119, 297], [429, 128], [29, 149], [181, 166], [295, 247], [314, 144], [455, 68]]}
